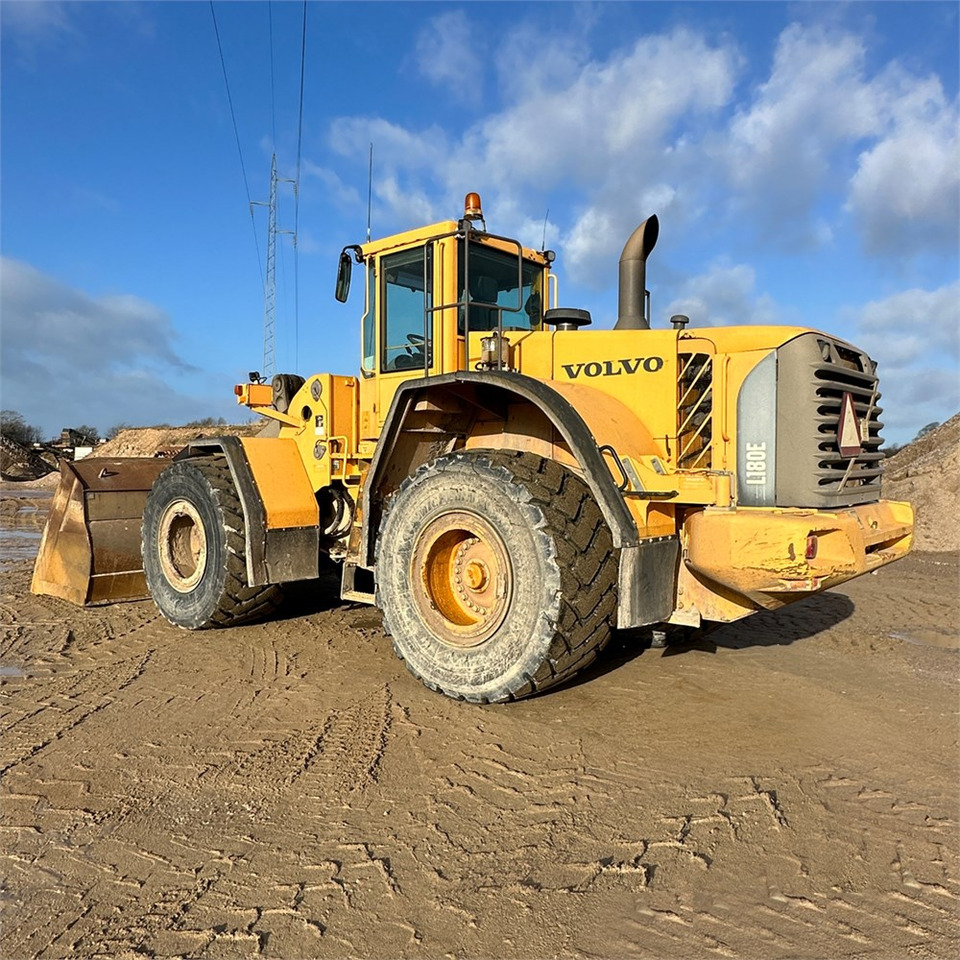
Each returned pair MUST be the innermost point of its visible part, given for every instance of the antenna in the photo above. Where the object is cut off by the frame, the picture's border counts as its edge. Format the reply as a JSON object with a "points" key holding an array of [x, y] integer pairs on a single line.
{"points": [[369, 192], [543, 242]]}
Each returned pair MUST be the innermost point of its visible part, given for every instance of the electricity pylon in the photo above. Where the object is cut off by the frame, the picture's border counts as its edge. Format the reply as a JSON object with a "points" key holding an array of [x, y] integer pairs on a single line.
{"points": [[269, 366]]}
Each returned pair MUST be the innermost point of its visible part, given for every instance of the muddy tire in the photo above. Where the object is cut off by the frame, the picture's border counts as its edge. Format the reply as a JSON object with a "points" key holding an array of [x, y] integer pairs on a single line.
{"points": [[496, 575], [194, 549]]}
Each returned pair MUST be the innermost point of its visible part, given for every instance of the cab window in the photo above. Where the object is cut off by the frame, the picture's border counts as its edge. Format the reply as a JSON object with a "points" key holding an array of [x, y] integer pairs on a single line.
{"points": [[493, 280], [368, 326], [406, 300]]}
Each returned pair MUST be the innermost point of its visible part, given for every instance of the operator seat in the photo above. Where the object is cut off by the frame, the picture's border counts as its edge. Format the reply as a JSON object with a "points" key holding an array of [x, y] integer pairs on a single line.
{"points": [[486, 290]]}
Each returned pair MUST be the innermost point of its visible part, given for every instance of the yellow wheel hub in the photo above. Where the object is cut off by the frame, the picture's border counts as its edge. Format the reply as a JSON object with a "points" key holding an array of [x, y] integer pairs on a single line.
{"points": [[462, 578]]}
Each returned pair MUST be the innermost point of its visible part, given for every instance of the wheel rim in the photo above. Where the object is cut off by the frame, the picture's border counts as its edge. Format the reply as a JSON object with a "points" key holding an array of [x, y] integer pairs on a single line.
{"points": [[462, 578], [182, 545]]}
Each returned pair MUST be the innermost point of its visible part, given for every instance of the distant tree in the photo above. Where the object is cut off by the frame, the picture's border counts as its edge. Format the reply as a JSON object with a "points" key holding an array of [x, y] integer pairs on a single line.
{"points": [[116, 430], [207, 422], [929, 428], [14, 427], [889, 451], [87, 435]]}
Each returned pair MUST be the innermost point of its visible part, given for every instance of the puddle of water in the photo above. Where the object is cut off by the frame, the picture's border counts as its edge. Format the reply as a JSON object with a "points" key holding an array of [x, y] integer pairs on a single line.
{"points": [[930, 638], [18, 544], [12, 671], [7, 534], [8, 492]]}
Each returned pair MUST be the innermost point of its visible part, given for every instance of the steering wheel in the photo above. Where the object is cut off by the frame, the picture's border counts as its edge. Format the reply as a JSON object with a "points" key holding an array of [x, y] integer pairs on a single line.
{"points": [[416, 341]]}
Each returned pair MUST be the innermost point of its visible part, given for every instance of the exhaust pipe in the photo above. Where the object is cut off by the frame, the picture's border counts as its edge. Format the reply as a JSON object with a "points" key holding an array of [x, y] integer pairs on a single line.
{"points": [[633, 276]]}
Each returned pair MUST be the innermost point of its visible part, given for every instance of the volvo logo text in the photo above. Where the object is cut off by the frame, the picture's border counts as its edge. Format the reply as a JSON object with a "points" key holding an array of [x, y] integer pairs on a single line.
{"points": [[613, 368]]}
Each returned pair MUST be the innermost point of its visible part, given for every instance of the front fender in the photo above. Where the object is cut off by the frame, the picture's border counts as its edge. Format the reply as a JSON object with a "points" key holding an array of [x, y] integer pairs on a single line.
{"points": [[427, 418], [279, 507]]}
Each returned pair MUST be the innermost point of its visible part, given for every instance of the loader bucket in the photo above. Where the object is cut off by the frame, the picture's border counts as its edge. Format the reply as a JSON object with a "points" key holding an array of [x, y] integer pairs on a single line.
{"points": [[90, 550]]}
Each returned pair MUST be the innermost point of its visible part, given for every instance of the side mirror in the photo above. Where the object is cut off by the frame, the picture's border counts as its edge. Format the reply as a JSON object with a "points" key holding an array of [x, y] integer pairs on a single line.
{"points": [[344, 271]]}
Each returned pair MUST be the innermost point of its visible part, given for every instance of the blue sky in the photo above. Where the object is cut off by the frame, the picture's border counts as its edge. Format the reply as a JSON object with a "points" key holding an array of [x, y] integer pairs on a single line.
{"points": [[802, 158]]}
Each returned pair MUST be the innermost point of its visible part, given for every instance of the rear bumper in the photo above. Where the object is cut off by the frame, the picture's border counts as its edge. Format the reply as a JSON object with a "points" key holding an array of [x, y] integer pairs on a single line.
{"points": [[761, 553]]}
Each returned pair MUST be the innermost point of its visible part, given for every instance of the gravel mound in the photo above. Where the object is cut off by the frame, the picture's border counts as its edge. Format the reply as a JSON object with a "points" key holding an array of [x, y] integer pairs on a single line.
{"points": [[927, 473], [165, 441]]}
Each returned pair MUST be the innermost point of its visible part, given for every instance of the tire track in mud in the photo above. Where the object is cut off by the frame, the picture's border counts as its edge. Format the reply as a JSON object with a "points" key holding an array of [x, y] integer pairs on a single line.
{"points": [[523, 826], [333, 760], [788, 907], [275, 790], [65, 703]]}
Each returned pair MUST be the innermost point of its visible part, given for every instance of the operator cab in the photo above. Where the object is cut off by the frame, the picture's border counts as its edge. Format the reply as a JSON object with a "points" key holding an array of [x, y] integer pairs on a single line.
{"points": [[427, 290]]}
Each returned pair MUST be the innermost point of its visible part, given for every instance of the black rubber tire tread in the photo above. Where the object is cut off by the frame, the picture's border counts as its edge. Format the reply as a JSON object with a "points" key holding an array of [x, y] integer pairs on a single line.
{"points": [[222, 598], [576, 544]]}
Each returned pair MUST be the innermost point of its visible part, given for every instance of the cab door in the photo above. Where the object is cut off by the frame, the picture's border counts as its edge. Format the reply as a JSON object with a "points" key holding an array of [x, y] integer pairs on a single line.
{"points": [[406, 348]]}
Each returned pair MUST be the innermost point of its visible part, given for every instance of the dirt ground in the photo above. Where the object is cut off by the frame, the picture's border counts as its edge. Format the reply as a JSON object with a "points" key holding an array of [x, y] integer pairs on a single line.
{"points": [[787, 788]]}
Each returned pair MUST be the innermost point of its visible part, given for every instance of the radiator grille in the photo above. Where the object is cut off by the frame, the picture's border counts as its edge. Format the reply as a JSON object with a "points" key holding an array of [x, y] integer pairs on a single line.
{"points": [[814, 373], [843, 371], [695, 411]]}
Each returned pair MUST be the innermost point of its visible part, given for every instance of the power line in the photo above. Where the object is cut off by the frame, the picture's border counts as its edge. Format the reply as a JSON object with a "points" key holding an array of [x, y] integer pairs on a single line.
{"points": [[296, 195], [236, 134]]}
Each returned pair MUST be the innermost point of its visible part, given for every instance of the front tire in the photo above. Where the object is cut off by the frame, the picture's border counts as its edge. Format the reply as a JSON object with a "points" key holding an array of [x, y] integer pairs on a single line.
{"points": [[194, 548], [496, 575]]}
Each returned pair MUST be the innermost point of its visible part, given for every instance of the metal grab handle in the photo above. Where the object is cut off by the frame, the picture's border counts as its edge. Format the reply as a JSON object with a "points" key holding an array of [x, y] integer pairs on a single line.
{"points": [[606, 448]]}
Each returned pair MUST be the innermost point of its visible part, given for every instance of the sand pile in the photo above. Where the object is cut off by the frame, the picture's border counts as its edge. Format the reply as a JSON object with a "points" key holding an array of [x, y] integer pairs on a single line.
{"points": [[151, 441], [927, 473]]}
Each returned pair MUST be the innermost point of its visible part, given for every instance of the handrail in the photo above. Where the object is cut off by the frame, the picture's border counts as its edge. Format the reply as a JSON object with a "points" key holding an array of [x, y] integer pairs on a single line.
{"points": [[464, 233]]}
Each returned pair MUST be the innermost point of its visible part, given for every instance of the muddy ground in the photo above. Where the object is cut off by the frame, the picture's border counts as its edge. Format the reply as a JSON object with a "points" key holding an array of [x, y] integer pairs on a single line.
{"points": [[787, 789]]}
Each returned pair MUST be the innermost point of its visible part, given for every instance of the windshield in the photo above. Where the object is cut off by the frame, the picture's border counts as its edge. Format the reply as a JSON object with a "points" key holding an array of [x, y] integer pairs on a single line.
{"points": [[493, 280]]}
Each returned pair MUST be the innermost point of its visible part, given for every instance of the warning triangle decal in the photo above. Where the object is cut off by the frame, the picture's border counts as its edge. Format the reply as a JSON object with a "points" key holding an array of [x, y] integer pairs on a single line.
{"points": [[848, 431]]}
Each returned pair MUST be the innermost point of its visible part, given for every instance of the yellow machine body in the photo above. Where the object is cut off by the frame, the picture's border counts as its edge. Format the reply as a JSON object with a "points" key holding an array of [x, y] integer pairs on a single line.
{"points": [[680, 424]]}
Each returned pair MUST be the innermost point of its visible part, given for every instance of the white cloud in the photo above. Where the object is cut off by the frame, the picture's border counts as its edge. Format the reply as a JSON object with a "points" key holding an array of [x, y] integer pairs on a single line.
{"points": [[781, 144], [914, 336], [35, 25], [395, 147], [723, 296], [912, 398], [653, 127], [905, 194], [334, 189], [532, 58], [606, 121], [451, 54], [69, 328], [404, 194], [789, 147], [35, 18], [909, 325], [69, 357], [593, 244], [615, 131]]}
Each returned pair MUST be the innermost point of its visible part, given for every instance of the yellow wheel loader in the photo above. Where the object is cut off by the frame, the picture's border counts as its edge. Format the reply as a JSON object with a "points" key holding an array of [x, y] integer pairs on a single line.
{"points": [[507, 486]]}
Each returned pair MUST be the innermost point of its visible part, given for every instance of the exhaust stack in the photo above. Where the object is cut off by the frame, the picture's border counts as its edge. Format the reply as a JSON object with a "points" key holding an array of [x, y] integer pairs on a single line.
{"points": [[633, 276]]}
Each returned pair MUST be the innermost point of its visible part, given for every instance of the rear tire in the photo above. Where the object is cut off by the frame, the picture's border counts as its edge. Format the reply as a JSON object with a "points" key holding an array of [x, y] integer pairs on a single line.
{"points": [[496, 575], [194, 548]]}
